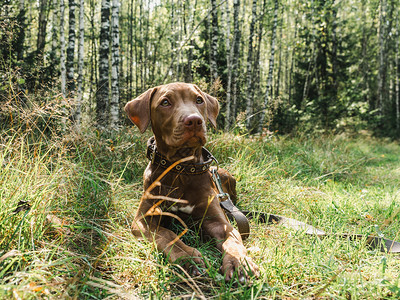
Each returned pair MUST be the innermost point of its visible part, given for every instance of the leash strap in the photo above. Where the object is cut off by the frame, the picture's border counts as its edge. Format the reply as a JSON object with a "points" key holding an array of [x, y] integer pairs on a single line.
{"points": [[373, 242], [231, 210], [241, 218]]}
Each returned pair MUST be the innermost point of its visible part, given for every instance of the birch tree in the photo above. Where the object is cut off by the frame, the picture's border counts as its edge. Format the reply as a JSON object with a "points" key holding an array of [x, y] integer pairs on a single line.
{"points": [[62, 50], [21, 18], [102, 96], [249, 72], [271, 68], [114, 103], [214, 40], [77, 115], [42, 23], [397, 74], [228, 66], [235, 57], [382, 55], [71, 48]]}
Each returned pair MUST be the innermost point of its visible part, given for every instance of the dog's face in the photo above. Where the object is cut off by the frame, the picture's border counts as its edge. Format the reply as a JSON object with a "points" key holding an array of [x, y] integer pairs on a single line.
{"points": [[178, 113]]}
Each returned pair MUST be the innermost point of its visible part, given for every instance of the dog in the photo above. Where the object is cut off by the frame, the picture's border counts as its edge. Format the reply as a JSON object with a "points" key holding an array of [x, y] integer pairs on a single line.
{"points": [[178, 113]]}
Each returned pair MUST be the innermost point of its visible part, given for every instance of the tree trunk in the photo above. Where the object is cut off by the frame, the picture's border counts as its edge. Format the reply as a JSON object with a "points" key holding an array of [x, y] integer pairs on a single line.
{"points": [[114, 103], [93, 55], [71, 49], [54, 40], [382, 56], [130, 46], [214, 40], [102, 97], [229, 66], [257, 75], [397, 75], [235, 60], [62, 50], [77, 115], [249, 75], [42, 23], [21, 18], [271, 68]]}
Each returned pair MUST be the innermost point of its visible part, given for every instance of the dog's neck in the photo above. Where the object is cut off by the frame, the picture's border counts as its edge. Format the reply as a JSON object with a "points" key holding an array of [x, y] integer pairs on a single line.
{"points": [[174, 154]]}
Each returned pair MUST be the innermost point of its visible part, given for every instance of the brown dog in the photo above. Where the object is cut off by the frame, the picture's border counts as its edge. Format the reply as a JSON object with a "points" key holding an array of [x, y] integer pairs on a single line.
{"points": [[178, 113]]}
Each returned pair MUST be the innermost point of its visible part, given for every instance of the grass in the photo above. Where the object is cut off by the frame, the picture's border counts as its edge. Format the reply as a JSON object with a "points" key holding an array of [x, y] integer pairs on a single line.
{"points": [[66, 204]]}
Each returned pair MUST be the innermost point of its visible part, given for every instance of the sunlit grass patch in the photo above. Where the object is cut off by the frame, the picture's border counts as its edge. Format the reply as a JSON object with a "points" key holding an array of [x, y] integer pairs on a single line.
{"points": [[67, 207]]}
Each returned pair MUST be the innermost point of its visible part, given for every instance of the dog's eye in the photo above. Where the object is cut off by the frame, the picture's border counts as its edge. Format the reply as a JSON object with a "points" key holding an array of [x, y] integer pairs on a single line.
{"points": [[165, 102], [199, 100]]}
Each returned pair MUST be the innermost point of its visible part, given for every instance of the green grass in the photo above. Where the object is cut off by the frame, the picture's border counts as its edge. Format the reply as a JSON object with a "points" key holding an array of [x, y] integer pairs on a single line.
{"points": [[83, 190]]}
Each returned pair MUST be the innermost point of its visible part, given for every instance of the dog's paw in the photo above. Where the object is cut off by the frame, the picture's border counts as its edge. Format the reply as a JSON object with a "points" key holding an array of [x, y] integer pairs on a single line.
{"points": [[242, 268], [192, 261]]}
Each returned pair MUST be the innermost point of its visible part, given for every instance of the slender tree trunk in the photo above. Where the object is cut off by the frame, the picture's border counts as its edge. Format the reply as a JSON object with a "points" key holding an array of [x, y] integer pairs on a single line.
{"points": [[62, 49], [292, 62], [382, 56], [214, 40], [249, 75], [364, 58], [271, 68], [102, 97], [21, 18], [397, 74], [93, 56], [78, 106], [71, 49], [136, 53], [235, 59], [257, 75], [334, 50], [279, 62], [130, 46], [229, 66], [114, 103], [54, 39], [42, 23], [141, 48]]}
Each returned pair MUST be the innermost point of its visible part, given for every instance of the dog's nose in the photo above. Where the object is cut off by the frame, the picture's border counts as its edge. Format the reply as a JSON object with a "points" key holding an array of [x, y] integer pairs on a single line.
{"points": [[193, 122]]}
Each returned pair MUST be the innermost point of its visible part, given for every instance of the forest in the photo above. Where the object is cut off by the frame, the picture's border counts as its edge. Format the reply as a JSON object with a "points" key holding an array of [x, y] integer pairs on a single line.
{"points": [[276, 66], [309, 126]]}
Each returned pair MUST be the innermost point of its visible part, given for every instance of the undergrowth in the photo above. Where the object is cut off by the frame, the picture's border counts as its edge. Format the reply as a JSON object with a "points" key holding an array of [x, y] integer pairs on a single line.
{"points": [[67, 200]]}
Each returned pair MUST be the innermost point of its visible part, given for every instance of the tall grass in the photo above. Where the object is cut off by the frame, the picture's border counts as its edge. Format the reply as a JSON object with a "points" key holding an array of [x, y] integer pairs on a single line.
{"points": [[67, 200]]}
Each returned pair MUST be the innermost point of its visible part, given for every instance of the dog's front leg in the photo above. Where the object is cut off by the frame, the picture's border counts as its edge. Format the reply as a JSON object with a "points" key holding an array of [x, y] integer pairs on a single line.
{"points": [[235, 258], [166, 241]]}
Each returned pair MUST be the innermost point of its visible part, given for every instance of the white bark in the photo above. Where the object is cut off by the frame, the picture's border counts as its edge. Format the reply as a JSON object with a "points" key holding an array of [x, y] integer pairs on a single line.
{"points": [[271, 68], [102, 96], [228, 65], [214, 40], [114, 103], [77, 116], [249, 75], [62, 50]]}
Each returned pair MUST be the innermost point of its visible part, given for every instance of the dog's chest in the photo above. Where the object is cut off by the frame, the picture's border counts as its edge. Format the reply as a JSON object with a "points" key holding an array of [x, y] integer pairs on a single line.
{"points": [[187, 196]]}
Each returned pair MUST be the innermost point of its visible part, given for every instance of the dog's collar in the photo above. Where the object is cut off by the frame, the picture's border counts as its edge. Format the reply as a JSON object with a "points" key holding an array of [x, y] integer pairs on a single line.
{"points": [[160, 160]]}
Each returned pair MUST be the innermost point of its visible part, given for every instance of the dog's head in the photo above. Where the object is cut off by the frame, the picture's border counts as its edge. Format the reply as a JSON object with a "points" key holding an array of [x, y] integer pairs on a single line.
{"points": [[178, 113]]}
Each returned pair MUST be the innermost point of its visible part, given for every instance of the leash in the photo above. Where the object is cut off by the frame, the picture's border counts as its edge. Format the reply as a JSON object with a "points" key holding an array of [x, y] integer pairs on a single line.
{"points": [[241, 217]]}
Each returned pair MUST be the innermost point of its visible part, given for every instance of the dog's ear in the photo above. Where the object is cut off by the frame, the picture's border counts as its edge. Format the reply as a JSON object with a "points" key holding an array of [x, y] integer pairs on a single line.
{"points": [[212, 107], [138, 110]]}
